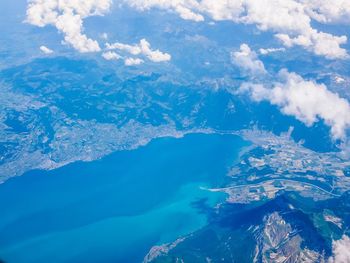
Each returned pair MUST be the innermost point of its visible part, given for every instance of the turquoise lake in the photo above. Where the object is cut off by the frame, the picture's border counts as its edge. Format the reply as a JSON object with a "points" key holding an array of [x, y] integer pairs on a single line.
{"points": [[114, 209]]}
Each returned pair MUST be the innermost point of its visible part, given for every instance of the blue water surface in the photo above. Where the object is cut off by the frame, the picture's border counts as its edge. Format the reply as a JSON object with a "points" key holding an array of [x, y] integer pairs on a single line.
{"points": [[114, 209]]}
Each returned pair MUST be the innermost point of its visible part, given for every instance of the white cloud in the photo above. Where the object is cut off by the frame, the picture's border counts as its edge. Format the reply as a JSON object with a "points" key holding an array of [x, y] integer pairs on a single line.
{"points": [[109, 55], [320, 43], [143, 48], [46, 50], [306, 100], [339, 79], [325, 11], [133, 61], [68, 16], [341, 252], [266, 51], [184, 8], [248, 60], [131, 49], [153, 55], [290, 20]]}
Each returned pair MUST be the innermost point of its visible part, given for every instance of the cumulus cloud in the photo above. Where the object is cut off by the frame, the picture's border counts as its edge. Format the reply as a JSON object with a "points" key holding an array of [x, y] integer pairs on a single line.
{"points": [[153, 55], [131, 49], [290, 20], [320, 43], [341, 252], [266, 51], [109, 55], [248, 60], [325, 11], [185, 8], [133, 61], [68, 16], [46, 50], [306, 100], [143, 48]]}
